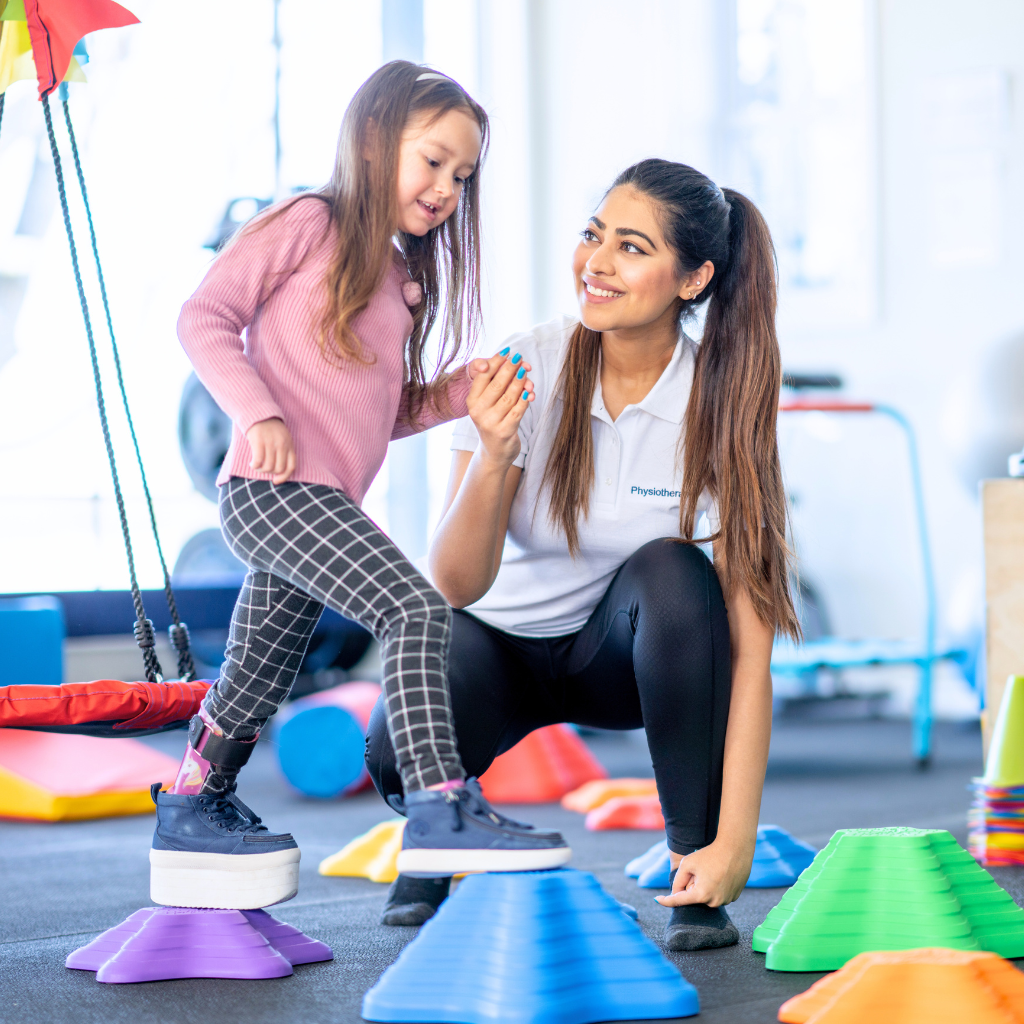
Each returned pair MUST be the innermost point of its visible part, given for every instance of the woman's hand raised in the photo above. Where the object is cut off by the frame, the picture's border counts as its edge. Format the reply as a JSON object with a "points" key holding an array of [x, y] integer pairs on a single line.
{"points": [[497, 401], [714, 875]]}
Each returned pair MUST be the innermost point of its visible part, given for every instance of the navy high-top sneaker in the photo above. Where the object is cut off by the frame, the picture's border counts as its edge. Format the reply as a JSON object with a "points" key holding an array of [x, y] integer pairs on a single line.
{"points": [[209, 849], [457, 830]]}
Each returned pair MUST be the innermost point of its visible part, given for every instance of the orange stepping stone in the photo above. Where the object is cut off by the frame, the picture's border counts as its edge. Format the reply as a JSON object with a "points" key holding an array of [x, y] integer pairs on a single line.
{"points": [[541, 768], [914, 986], [593, 794], [643, 812]]}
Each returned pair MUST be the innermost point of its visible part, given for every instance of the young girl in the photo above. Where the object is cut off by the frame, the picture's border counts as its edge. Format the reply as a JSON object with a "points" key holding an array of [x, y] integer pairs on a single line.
{"points": [[602, 610], [331, 368]]}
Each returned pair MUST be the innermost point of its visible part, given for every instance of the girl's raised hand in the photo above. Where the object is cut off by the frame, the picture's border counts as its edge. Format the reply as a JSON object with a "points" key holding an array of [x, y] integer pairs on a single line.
{"points": [[497, 401], [273, 450]]}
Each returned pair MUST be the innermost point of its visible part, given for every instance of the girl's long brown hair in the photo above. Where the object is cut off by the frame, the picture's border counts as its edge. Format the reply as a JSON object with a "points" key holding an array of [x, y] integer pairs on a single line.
{"points": [[361, 199], [729, 440]]}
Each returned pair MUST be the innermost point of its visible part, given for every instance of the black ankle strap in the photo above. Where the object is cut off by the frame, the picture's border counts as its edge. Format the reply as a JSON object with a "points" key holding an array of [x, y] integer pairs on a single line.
{"points": [[221, 752]]}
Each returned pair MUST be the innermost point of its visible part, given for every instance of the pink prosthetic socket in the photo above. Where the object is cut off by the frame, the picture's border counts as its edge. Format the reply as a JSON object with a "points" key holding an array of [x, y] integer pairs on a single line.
{"points": [[195, 768]]}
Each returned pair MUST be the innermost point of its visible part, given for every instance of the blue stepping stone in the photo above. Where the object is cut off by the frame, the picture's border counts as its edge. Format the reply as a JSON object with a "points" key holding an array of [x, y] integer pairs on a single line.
{"points": [[778, 861], [530, 947], [638, 865], [778, 858]]}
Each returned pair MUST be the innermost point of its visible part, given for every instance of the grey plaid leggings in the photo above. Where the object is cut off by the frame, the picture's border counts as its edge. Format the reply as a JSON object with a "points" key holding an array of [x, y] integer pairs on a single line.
{"points": [[307, 546]]}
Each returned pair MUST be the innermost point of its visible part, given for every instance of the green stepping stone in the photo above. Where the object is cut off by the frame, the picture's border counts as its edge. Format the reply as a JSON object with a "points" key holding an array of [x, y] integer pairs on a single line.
{"points": [[886, 889]]}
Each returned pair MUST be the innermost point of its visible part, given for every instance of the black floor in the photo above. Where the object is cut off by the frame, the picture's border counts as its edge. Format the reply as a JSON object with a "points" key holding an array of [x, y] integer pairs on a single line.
{"points": [[62, 884]]}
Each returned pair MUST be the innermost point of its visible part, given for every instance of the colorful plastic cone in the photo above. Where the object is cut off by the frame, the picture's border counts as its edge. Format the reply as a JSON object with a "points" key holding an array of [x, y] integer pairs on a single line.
{"points": [[541, 767], [373, 855], [778, 858], [641, 812], [888, 889], [56, 777], [916, 986], [159, 943], [539, 946], [593, 794], [1005, 765], [321, 740]]}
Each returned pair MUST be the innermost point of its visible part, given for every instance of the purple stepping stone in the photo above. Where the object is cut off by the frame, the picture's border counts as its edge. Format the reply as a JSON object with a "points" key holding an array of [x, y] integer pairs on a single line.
{"points": [[94, 955], [295, 947], [159, 943]]}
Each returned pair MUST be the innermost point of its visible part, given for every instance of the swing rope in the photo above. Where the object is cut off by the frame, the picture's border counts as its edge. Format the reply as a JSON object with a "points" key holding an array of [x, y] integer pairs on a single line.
{"points": [[178, 631], [143, 626]]}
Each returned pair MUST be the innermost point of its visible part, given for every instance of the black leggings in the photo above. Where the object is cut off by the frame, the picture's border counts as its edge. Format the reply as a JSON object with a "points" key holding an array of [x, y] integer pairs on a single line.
{"points": [[654, 653]]}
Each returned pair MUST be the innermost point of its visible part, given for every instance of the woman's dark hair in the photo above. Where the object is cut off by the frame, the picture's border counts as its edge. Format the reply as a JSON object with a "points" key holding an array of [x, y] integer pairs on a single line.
{"points": [[729, 443], [361, 199]]}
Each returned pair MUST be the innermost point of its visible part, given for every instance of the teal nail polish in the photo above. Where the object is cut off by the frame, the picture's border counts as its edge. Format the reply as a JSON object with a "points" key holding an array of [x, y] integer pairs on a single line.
{"points": [[522, 373], [516, 358], [505, 350], [526, 395]]}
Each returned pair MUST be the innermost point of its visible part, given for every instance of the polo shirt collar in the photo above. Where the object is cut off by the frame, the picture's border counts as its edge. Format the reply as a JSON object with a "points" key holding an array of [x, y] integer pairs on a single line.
{"points": [[667, 399]]}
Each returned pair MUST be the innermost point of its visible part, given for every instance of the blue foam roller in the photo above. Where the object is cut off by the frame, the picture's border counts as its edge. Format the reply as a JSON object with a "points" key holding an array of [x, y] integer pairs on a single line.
{"points": [[321, 750], [638, 865], [778, 858], [538, 947], [31, 641]]}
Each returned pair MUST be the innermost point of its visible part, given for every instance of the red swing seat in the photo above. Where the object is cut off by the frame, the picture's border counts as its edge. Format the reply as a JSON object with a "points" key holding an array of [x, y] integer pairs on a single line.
{"points": [[105, 707]]}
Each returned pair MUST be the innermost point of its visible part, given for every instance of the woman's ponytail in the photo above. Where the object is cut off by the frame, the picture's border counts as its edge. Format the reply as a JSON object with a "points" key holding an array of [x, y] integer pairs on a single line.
{"points": [[731, 447], [729, 444]]}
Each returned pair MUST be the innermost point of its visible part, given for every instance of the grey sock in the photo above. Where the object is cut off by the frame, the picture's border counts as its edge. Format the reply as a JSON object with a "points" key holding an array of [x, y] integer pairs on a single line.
{"points": [[413, 901], [699, 926]]}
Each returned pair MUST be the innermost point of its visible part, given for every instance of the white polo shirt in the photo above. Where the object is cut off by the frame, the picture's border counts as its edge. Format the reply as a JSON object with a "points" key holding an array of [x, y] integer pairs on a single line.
{"points": [[540, 590]]}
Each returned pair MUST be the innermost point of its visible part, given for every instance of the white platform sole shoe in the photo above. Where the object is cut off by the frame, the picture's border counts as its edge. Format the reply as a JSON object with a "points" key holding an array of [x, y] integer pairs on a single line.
{"points": [[223, 881]]}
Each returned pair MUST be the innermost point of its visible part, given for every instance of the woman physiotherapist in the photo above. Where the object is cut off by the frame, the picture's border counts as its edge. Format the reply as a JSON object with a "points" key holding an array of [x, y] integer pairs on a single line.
{"points": [[567, 542]]}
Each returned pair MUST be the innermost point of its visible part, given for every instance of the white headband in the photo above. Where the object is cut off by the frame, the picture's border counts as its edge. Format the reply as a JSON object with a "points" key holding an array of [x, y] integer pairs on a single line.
{"points": [[432, 74]]}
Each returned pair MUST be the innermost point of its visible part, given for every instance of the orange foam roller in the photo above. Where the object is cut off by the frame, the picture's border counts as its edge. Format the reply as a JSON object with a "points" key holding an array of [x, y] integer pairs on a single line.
{"points": [[593, 794], [643, 812], [914, 986], [56, 777], [541, 767]]}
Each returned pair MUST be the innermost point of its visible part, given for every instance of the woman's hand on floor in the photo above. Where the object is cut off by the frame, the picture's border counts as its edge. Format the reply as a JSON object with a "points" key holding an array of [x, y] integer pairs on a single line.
{"points": [[273, 450], [714, 875], [497, 401]]}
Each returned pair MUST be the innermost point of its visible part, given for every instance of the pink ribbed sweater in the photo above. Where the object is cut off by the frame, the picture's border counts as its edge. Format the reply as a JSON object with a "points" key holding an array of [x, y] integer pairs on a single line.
{"points": [[341, 417]]}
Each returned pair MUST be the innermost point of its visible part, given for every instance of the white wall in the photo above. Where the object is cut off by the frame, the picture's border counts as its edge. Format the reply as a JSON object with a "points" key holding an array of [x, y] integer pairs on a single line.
{"points": [[174, 122]]}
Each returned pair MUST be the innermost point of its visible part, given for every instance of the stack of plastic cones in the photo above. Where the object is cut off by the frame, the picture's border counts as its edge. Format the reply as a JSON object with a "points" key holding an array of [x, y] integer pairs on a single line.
{"points": [[527, 947], [917, 986], [373, 855], [888, 888], [996, 817], [159, 943]]}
